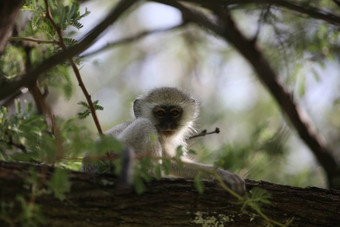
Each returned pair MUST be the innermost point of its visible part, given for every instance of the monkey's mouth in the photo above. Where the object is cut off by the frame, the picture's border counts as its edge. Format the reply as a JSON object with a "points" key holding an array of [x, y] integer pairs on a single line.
{"points": [[167, 132]]}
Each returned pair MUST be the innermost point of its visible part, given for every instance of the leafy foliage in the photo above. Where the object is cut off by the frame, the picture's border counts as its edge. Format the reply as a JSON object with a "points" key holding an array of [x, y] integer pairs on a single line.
{"points": [[25, 133], [59, 183], [258, 197]]}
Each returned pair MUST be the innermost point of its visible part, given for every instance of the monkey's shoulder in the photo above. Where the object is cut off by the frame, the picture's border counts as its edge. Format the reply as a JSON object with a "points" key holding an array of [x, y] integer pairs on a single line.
{"points": [[116, 130]]}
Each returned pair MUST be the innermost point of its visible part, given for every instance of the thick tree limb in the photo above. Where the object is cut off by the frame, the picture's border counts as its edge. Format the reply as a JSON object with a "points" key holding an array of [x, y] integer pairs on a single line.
{"points": [[94, 200], [7, 88], [228, 30]]}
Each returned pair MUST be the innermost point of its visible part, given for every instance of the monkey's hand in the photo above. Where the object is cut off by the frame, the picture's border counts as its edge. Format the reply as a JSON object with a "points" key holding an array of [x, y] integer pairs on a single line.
{"points": [[233, 181]]}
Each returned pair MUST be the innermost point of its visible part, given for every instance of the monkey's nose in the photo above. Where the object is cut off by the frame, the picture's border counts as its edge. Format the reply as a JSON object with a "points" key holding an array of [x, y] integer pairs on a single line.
{"points": [[168, 126]]}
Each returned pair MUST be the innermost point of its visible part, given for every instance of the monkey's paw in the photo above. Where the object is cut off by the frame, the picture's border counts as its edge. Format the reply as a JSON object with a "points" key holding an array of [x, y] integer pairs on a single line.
{"points": [[233, 181]]}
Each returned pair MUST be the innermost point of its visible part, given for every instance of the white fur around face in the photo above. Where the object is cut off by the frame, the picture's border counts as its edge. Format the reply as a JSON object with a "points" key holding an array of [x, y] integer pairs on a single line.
{"points": [[169, 96]]}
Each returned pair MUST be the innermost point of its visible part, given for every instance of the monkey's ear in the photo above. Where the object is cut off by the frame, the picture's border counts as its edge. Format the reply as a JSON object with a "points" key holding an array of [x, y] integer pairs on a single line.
{"points": [[137, 108]]}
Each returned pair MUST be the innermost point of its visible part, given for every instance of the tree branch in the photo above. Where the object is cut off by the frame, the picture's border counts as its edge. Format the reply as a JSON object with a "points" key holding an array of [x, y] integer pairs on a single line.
{"points": [[8, 11], [39, 41], [132, 39], [43, 107], [296, 7], [250, 51], [204, 133], [94, 200], [7, 88], [75, 69]]}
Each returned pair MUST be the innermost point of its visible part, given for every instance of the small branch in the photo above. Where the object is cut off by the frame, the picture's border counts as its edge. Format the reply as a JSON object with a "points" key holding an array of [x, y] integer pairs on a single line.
{"points": [[204, 133], [9, 9], [46, 110], [43, 108], [11, 143], [8, 101], [39, 41], [337, 2], [299, 8], [75, 69], [262, 19], [134, 38]]}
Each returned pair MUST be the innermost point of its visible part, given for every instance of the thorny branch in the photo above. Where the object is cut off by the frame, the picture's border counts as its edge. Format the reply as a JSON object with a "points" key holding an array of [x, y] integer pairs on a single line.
{"points": [[75, 69]]}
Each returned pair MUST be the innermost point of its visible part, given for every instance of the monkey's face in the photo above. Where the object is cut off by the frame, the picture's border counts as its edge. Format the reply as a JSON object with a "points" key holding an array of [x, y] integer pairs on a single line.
{"points": [[168, 118], [171, 111]]}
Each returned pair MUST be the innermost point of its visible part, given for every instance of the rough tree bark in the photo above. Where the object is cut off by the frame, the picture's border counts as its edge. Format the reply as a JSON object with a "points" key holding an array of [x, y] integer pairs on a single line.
{"points": [[95, 201]]}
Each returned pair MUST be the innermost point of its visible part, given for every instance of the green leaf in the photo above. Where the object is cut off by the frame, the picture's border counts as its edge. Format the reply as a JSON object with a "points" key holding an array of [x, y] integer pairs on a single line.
{"points": [[97, 106], [158, 172], [33, 177], [166, 166], [302, 86], [87, 112], [192, 152], [138, 185], [179, 152], [199, 184], [17, 106], [316, 75], [60, 184], [84, 114], [260, 196], [83, 103]]}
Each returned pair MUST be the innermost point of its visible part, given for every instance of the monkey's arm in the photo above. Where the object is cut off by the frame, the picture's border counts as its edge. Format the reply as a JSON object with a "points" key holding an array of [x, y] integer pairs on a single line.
{"points": [[101, 163], [190, 171], [116, 130], [139, 136]]}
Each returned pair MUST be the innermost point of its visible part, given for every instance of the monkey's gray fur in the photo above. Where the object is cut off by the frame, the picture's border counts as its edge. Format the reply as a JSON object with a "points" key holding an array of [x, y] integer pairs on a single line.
{"points": [[164, 119]]}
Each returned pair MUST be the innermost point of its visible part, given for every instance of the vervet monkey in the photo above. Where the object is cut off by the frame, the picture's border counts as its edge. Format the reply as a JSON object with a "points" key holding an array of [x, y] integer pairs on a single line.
{"points": [[164, 121]]}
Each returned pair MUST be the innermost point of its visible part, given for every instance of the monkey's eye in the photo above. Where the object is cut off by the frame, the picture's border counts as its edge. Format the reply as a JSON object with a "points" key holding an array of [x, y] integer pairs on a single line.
{"points": [[175, 112], [159, 112]]}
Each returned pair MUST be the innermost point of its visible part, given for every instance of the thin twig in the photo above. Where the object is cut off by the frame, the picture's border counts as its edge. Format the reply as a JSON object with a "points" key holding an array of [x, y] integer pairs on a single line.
{"points": [[301, 8], [44, 108], [10, 142], [204, 133], [132, 39], [75, 69], [262, 19], [39, 41]]}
